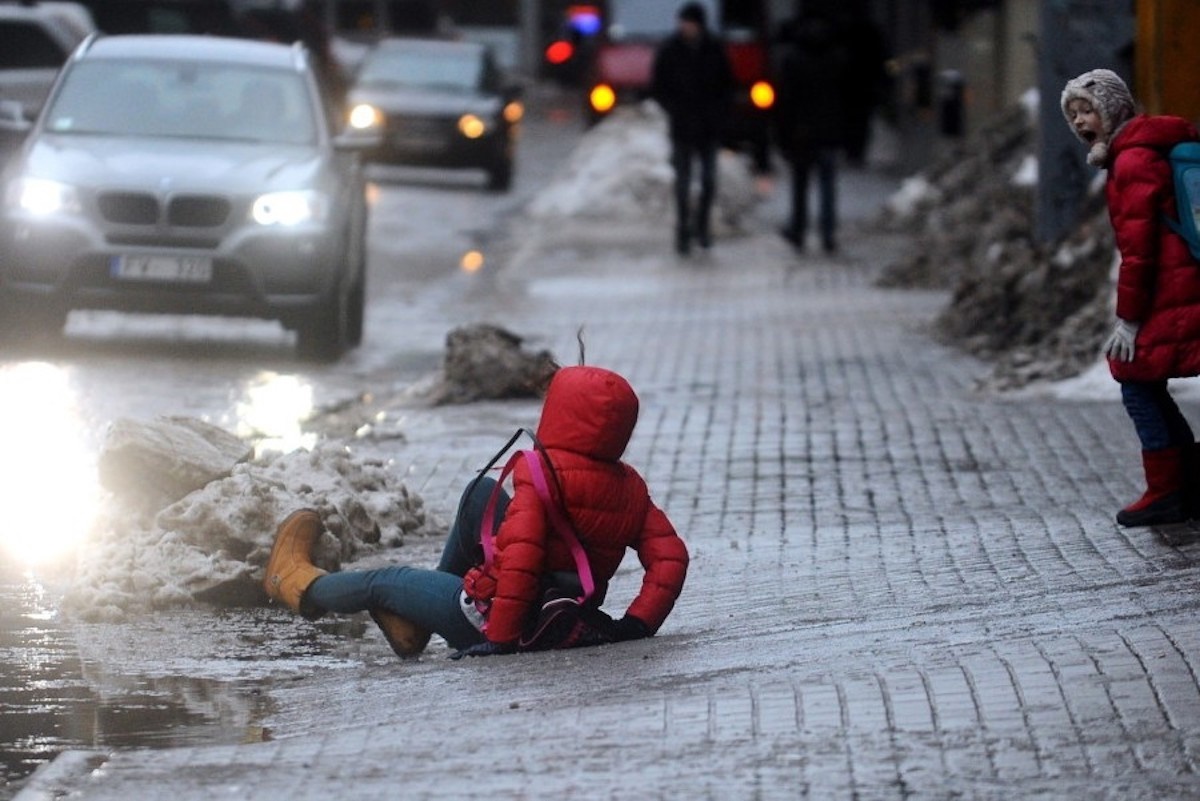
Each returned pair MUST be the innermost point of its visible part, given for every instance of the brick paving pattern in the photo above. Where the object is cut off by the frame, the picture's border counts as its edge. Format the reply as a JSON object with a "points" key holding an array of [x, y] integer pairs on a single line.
{"points": [[900, 588]]}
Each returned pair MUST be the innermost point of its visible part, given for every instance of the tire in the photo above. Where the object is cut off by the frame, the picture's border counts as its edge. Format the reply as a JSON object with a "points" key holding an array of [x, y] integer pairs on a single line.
{"points": [[355, 312], [322, 336], [500, 176]]}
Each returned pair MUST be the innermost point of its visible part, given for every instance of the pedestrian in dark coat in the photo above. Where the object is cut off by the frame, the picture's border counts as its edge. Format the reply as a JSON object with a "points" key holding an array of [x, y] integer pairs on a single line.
{"points": [[810, 120], [693, 82], [1157, 332]]}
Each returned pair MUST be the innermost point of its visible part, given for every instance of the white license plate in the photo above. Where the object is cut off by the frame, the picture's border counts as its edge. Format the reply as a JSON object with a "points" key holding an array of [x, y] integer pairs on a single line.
{"points": [[188, 269]]}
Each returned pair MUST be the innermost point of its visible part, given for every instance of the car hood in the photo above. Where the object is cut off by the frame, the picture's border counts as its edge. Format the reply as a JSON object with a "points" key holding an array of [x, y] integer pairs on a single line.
{"points": [[175, 164], [425, 103]]}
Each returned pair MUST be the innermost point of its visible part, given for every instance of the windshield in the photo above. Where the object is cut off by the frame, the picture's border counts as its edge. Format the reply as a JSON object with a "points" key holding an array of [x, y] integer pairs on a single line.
{"points": [[456, 70], [184, 99]]}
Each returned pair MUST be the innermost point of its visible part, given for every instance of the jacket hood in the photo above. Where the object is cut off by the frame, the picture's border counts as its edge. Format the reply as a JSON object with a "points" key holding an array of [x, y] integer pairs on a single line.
{"points": [[1159, 132], [589, 411]]}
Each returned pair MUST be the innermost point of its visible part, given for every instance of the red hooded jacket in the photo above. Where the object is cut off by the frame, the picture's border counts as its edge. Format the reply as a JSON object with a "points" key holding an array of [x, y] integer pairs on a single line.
{"points": [[587, 420], [1158, 285]]}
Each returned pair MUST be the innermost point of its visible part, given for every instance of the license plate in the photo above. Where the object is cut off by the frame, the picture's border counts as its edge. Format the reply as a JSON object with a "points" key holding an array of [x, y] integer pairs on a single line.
{"points": [[187, 269]]}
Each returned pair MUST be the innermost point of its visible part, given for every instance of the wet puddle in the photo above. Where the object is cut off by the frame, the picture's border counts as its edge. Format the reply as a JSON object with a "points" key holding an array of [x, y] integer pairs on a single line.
{"points": [[182, 678]]}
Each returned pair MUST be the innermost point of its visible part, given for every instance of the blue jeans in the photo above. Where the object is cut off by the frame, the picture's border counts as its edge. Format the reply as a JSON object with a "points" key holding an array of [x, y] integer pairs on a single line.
{"points": [[428, 598], [824, 159], [1155, 415], [683, 152]]}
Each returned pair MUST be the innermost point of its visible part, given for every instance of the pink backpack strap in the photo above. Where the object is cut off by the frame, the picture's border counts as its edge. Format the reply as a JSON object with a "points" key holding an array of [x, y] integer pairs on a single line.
{"points": [[487, 534], [561, 524]]}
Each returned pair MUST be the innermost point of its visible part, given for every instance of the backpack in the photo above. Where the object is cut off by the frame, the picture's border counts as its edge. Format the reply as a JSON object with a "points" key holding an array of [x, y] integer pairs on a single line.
{"points": [[1184, 159], [565, 615]]}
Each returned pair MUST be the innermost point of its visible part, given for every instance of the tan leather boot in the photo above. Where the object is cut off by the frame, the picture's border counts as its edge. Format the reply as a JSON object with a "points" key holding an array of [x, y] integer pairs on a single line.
{"points": [[290, 570], [405, 637]]}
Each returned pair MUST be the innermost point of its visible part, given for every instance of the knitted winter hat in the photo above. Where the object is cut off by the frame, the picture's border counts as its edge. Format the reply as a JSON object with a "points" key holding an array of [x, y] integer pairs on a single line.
{"points": [[693, 12], [1111, 99]]}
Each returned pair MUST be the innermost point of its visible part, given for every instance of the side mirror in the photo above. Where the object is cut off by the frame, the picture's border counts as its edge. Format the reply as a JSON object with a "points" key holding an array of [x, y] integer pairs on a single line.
{"points": [[358, 140], [12, 117]]}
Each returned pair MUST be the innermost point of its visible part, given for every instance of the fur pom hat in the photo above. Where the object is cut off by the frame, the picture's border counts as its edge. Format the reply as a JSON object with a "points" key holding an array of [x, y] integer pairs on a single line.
{"points": [[1112, 101]]}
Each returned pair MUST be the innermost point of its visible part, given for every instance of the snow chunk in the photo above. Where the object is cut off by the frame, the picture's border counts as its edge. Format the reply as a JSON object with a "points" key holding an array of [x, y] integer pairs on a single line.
{"points": [[212, 544], [1026, 174]]}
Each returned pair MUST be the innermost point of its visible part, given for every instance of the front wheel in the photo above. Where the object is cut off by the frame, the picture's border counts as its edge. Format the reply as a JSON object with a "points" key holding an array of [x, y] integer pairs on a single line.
{"points": [[323, 335], [500, 175]]}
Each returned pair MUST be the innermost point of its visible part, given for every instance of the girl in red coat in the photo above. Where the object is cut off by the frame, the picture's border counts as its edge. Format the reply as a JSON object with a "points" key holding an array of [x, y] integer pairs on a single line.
{"points": [[1157, 332], [587, 419]]}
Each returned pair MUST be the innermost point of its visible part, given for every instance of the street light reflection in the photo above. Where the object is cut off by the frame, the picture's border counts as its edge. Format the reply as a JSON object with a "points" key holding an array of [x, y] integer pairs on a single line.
{"points": [[273, 412], [47, 469]]}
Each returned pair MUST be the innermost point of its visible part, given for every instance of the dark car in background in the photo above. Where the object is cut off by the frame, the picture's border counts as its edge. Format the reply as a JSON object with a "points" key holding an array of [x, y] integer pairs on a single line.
{"points": [[188, 175], [441, 103]]}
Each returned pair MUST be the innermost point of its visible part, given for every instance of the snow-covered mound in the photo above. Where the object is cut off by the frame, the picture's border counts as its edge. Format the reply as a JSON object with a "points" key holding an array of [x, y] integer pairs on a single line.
{"points": [[621, 171], [212, 544]]}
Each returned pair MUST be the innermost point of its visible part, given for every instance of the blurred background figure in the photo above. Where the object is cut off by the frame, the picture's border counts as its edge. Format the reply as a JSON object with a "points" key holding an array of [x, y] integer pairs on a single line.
{"points": [[692, 82], [811, 118]]}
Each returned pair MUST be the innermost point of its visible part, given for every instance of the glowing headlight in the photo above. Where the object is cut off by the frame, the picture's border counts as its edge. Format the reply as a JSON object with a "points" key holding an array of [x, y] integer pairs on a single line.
{"points": [[288, 208], [514, 111], [41, 197], [471, 126], [364, 116]]}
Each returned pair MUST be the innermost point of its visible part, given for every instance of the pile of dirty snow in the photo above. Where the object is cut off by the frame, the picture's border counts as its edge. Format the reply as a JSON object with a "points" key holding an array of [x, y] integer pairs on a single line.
{"points": [[621, 171], [1038, 312], [212, 543]]}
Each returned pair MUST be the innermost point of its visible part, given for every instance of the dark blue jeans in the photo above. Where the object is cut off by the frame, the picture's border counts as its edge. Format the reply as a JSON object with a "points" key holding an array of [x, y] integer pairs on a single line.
{"points": [[1155, 415], [683, 153], [824, 160], [428, 598]]}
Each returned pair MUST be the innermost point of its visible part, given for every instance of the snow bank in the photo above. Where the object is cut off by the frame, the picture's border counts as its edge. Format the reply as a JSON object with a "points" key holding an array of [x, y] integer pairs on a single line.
{"points": [[621, 171], [212, 544]]}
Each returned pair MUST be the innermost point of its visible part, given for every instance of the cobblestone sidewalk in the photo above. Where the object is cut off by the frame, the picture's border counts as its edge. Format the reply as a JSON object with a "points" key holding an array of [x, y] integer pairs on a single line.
{"points": [[899, 589]]}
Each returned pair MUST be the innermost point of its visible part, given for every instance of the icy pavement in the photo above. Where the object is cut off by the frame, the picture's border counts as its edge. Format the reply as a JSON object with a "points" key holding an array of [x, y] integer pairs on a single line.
{"points": [[900, 589]]}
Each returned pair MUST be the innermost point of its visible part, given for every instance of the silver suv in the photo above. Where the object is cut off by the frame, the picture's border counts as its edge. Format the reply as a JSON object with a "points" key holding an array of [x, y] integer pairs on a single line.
{"points": [[188, 175]]}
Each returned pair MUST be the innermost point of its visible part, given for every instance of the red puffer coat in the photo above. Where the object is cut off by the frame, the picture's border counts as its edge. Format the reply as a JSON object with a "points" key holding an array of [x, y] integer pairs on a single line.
{"points": [[587, 420], [1158, 285]]}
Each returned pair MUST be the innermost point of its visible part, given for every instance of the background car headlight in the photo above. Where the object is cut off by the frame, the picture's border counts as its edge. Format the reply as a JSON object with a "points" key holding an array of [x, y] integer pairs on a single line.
{"points": [[289, 208], [471, 126], [365, 116], [42, 197]]}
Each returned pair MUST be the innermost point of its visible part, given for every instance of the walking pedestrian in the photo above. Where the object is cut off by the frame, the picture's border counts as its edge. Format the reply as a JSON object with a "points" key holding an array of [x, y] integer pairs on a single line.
{"points": [[810, 120], [480, 603], [693, 81], [1157, 332]]}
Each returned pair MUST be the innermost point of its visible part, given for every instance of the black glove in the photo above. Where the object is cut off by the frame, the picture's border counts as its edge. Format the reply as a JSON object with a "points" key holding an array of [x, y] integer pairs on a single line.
{"points": [[485, 649], [628, 628]]}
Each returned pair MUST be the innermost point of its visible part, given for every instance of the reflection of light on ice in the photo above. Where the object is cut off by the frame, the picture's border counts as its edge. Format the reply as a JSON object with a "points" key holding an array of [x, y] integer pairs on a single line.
{"points": [[47, 471], [274, 410]]}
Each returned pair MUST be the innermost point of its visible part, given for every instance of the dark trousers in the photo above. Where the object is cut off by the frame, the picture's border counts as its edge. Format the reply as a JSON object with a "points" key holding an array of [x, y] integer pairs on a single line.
{"points": [[683, 153], [1155, 415], [824, 161]]}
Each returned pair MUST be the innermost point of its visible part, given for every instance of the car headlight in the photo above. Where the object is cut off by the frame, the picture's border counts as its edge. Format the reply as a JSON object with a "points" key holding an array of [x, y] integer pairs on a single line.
{"points": [[365, 116], [472, 126], [289, 208], [42, 197]]}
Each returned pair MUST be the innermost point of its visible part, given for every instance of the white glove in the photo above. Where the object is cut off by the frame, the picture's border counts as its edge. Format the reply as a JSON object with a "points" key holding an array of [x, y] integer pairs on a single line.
{"points": [[1119, 344]]}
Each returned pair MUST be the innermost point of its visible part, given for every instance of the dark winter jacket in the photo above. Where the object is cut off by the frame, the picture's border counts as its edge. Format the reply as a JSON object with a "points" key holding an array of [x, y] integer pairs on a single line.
{"points": [[1158, 283], [693, 82], [587, 420], [810, 111]]}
